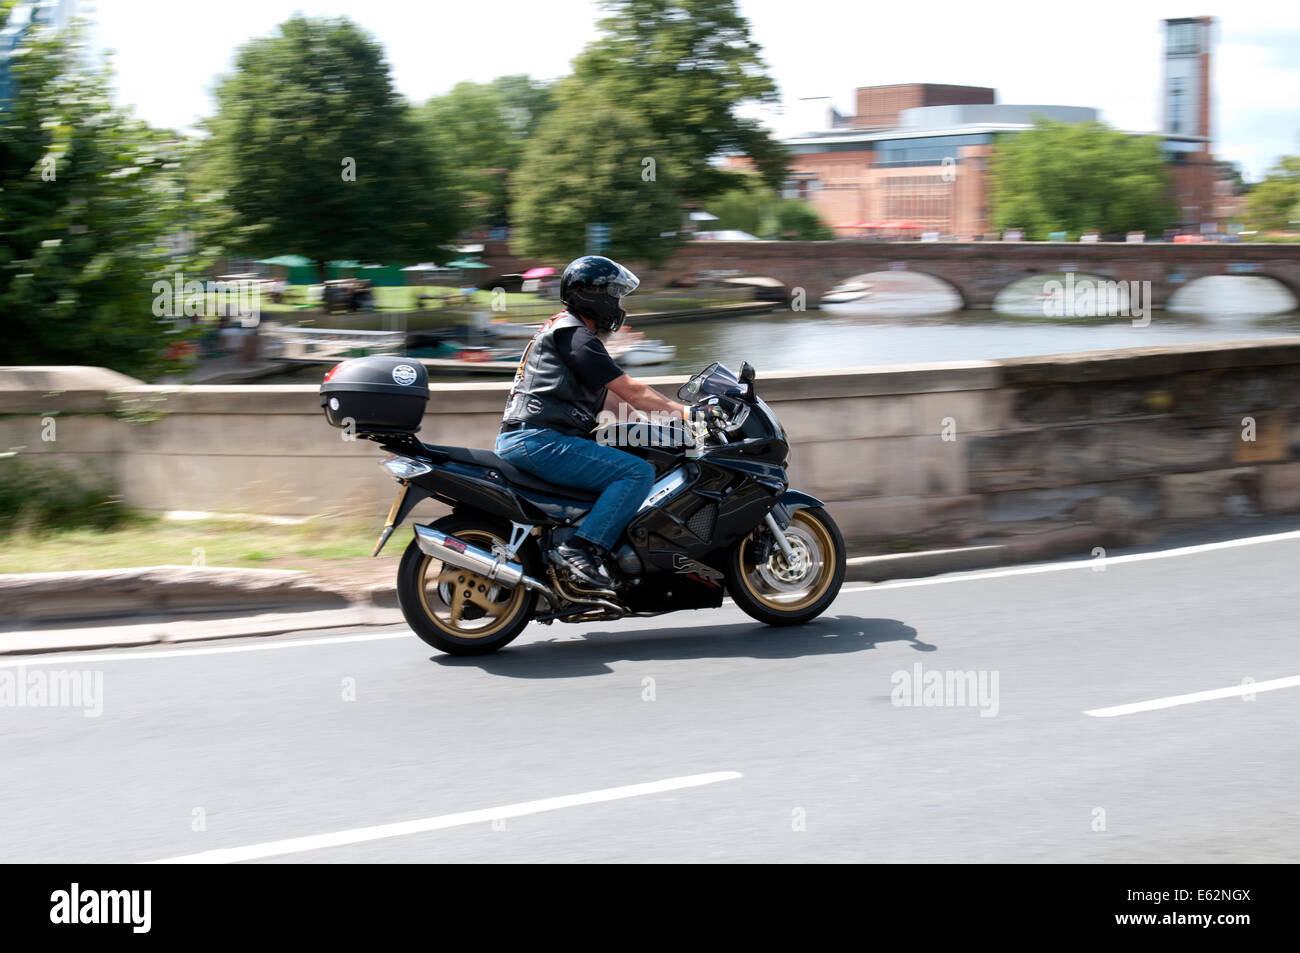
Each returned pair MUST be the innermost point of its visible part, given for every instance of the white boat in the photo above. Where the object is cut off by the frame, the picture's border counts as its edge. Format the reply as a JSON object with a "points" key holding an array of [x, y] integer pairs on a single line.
{"points": [[510, 330], [638, 353], [849, 291], [328, 345], [626, 347]]}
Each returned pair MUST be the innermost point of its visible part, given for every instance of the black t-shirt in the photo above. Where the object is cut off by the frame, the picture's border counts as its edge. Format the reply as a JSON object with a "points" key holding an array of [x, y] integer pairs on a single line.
{"points": [[585, 355]]}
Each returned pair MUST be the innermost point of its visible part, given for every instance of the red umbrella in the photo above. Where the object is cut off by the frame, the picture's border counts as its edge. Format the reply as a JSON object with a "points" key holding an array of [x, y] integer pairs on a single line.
{"points": [[539, 272], [901, 225]]}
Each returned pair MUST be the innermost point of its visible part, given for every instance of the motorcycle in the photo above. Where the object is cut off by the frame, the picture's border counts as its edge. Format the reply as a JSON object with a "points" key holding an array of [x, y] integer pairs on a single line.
{"points": [[719, 520]]}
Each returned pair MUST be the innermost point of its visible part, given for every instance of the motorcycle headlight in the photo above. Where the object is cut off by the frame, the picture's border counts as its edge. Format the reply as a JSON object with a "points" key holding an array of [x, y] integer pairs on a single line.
{"points": [[404, 468]]}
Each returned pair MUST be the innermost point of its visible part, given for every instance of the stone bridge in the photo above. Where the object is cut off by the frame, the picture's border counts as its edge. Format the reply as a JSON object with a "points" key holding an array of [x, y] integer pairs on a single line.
{"points": [[976, 271]]}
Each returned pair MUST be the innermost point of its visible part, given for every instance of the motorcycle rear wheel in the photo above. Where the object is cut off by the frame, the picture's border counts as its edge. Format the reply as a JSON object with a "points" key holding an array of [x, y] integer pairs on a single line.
{"points": [[778, 593], [455, 610]]}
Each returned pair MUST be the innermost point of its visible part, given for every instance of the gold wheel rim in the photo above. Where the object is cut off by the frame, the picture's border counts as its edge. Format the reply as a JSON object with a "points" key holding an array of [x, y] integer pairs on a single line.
{"points": [[460, 593], [808, 534]]}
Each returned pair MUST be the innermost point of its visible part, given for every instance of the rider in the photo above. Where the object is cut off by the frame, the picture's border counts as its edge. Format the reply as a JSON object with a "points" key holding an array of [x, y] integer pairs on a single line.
{"points": [[565, 379]]}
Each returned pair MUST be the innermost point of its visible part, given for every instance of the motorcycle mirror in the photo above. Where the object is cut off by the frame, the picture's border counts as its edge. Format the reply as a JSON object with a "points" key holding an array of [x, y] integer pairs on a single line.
{"points": [[747, 378]]}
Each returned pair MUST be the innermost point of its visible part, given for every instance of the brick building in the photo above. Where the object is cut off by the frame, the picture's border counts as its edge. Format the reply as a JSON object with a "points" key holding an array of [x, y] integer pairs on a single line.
{"points": [[916, 155]]}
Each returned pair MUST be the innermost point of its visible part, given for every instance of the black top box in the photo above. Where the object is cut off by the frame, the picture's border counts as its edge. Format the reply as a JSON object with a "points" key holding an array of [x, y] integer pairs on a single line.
{"points": [[376, 394]]}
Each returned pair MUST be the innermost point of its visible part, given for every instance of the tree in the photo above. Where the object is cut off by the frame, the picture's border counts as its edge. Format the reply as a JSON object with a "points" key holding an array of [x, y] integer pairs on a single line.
{"points": [[90, 203], [1231, 171], [559, 191], [1074, 177], [684, 66], [1275, 202], [744, 207], [480, 130], [528, 101], [794, 220], [314, 153]]}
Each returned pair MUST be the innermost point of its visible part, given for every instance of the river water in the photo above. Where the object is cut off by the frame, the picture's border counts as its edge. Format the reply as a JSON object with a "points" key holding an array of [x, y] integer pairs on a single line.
{"points": [[901, 322], [910, 319]]}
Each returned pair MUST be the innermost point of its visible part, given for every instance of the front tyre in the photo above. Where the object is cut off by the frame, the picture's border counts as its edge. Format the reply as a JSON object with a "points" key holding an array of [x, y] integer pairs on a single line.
{"points": [[455, 610], [774, 590]]}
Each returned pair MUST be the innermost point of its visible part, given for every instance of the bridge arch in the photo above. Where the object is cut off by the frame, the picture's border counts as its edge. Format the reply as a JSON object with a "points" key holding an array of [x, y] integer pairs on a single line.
{"points": [[1253, 293], [899, 292], [1069, 294]]}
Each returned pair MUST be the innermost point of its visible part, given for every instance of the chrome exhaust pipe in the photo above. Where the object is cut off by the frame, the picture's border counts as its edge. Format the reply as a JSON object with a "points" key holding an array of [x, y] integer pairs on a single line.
{"points": [[455, 552], [602, 604]]}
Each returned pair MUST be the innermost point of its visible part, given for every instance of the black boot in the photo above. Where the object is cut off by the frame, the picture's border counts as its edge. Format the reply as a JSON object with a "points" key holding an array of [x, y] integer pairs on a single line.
{"points": [[584, 561]]}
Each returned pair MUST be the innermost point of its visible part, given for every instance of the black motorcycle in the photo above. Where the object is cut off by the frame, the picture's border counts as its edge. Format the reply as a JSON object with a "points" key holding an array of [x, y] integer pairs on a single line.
{"points": [[719, 520]]}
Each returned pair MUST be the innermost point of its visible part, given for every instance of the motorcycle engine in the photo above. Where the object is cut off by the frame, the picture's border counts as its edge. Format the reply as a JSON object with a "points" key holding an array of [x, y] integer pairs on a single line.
{"points": [[629, 563]]}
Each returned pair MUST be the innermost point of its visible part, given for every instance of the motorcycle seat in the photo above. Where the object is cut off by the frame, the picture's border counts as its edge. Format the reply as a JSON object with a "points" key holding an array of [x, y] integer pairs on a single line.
{"points": [[515, 476]]}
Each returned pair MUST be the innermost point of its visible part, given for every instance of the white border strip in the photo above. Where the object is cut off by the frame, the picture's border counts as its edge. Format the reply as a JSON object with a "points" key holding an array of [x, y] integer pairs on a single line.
{"points": [[64, 658], [1246, 688], [1094, 563], [360, 835]]}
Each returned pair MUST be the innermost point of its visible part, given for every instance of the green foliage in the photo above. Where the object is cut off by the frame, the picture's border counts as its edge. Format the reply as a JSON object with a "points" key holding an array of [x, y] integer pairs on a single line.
{"points": [[684, 66], [1074, 177], [297, 107], [560, 189], [36, 497], [793, 220], [1232, 172], [480, 129], [88, 198], [142, 409], [1275, 202], [743, 207]]}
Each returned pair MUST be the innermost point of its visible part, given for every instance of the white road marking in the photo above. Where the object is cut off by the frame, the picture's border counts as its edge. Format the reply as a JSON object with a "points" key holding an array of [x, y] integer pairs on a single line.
{"points": [[975, 576], [58, 658], [360, 835], [1246, 688]]}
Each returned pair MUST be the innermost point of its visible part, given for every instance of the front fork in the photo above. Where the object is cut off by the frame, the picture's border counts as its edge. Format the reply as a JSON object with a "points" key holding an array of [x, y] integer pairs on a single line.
{"points": [[779, 535]]}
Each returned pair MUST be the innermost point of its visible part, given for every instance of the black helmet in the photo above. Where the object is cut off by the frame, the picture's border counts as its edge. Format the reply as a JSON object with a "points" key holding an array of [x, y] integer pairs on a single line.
{"points": [[592, 288]]}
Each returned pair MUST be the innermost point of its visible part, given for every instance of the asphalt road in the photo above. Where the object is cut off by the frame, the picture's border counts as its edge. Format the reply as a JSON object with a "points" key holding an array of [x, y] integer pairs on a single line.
{"points": [[248, 743]]}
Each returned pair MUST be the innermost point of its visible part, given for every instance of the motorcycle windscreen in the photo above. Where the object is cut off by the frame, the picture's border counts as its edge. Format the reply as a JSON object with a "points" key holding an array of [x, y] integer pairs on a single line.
{"points": [[716, 380]]}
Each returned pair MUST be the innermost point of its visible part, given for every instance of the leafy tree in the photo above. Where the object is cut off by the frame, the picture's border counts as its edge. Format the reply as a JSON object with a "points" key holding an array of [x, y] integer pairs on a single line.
{"points": [[1232, 172], [314, 153], [793, 219], [684, 66], [90, 204], [743, 207], [480, 130], [1072, 177], [528, 101], [559, 190], [1275, 202]]}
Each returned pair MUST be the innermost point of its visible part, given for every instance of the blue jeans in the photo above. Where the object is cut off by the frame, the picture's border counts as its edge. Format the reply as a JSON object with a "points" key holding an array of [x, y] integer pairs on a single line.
{"points": [[623, 479]]}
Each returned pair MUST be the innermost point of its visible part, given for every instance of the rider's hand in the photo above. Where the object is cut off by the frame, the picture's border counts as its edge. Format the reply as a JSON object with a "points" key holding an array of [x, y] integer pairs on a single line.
{"points": [[710, 414]]}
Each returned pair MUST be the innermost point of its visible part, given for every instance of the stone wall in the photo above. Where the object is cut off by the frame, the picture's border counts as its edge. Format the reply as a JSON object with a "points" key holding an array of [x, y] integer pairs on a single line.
{"points": [[1075, 450]]}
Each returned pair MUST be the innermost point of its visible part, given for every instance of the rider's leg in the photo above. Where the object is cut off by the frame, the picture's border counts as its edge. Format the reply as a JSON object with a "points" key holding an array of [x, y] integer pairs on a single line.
{"points": [[623, 479]]}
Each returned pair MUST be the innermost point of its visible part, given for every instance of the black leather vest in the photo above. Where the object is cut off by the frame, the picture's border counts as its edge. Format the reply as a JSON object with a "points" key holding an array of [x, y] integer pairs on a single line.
{"points": [[546, 394]]}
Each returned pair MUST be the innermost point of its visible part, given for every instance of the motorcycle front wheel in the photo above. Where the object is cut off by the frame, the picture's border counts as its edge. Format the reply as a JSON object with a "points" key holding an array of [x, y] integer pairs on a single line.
{"points": [[455, 610], [778, 591]]}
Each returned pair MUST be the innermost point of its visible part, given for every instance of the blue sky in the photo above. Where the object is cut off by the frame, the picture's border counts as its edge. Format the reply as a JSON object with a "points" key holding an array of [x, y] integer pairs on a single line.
{"points": [[1103, 53]]}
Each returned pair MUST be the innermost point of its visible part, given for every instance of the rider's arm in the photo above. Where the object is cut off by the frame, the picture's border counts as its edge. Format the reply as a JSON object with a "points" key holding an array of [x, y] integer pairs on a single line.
{"points": [[641, 396], [613, 403]]}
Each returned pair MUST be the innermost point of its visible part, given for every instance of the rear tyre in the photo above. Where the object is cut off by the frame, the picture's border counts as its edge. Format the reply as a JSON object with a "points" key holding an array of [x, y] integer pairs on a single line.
{"points": [[455, 610], [778, 593]]}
